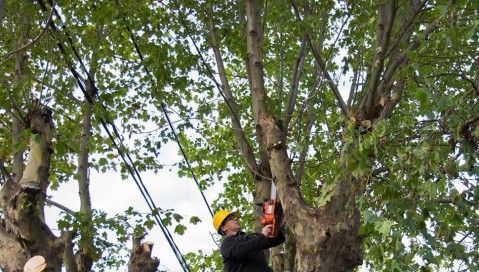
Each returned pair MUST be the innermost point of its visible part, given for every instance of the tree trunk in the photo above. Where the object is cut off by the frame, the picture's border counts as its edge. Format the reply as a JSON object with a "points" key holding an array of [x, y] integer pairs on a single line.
{"points": [[83, 257], [17, 127], [327, 238], [23, 231]]}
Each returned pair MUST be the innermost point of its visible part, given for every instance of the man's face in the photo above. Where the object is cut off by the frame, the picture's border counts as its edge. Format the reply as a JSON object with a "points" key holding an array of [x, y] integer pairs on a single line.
{"points": [[231, 224]]}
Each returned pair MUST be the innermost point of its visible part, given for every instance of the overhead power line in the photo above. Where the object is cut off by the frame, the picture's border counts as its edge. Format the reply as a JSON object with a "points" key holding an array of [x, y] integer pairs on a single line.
{"points": [[105, 121], [163, 109]]}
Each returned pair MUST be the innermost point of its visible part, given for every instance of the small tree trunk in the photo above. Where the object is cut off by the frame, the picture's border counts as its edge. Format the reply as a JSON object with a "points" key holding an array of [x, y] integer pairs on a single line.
{"points": [[84, 259], [17, 126]]}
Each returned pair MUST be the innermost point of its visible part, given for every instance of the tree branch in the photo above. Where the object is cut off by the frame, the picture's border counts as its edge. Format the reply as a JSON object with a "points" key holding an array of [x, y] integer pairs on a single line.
{"points": [[391, 70], [227, 95], [384, 24], [293, 92], [60, 206], [380, 170], [450, 201], [25, 46], [68, 256], [406, 21], [322, 65], [304, 152]]}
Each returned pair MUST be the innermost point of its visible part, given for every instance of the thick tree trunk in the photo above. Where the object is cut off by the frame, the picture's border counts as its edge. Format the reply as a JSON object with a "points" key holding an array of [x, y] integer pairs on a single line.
{"points": [[23, 231], [327, 238]]}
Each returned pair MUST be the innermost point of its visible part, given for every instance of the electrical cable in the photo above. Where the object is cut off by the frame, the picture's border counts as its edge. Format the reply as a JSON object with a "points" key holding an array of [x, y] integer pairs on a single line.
{"points": [[104, 121], [218, 86], [163, 108]]}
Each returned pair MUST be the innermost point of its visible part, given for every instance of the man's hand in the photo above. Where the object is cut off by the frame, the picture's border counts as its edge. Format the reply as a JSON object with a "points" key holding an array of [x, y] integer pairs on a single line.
{"points": [[267, 230]]}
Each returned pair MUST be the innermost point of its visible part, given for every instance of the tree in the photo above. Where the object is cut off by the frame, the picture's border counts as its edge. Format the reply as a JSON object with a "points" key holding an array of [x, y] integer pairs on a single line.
{"points": [[33, 77], [363, 113], [387, 164]]}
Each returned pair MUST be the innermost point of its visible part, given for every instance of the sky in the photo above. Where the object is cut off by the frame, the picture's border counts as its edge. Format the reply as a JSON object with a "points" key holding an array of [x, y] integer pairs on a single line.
{"points": [[113, 195]]}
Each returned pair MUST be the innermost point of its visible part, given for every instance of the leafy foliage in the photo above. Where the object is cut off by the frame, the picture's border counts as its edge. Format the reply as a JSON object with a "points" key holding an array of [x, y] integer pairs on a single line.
{"points": [[419, 206]]}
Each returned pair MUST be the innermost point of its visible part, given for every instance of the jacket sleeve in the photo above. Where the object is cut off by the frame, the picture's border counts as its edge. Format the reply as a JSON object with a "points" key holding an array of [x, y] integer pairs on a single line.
{"points": [[237, 247], [278, 240]]}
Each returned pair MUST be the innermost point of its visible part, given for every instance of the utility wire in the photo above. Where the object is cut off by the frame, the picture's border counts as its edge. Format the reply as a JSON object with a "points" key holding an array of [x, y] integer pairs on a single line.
{"points": [[105, 121], [218, 85], [163, 108]]}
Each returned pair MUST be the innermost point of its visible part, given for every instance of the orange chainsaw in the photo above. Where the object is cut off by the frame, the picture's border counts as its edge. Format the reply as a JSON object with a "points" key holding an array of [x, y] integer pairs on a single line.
{"points": [[272, 213]]}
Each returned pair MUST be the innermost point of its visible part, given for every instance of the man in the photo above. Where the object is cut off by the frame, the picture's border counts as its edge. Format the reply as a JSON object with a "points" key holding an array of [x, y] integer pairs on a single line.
{"points": [[240, 251]]}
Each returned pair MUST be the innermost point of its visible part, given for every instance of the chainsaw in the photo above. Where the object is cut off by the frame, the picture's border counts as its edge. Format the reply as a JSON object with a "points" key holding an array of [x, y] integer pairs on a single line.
{"points": [[272, 213]]}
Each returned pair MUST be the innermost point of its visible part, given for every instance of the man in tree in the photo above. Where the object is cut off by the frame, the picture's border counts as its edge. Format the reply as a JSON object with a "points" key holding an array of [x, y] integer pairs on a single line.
{"points": [[240, 251]]}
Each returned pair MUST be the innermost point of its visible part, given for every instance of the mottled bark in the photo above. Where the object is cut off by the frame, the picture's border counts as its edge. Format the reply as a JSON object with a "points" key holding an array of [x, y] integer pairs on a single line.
{"points": [[277, 259], [68, 257], [327, 238], [23, 229]]}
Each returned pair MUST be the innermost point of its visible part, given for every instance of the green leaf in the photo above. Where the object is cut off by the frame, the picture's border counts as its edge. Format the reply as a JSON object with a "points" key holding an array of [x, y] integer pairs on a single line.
{"points": [[177, 217], [149, 224], [195, 220], [384, 227], [370, 217], [166, 221], [180, 229]]}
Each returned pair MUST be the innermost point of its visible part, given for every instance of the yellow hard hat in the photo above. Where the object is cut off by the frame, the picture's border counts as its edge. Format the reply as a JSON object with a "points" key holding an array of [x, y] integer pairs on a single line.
{"points": [[219, 217]]}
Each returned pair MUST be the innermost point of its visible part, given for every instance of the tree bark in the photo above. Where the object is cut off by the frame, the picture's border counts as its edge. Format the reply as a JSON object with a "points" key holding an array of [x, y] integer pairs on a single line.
{"points": [[327, 238], [140, 258], [254, 64], [23, 230], [17, 126]]}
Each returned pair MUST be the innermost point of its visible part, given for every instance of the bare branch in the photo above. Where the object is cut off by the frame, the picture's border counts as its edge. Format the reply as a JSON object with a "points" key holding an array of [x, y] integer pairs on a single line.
{"points": [[450, 201], [60, 206], [304, 152], [293, 92], [406, 21], [380, 170], [322, 66], [388, 75]]}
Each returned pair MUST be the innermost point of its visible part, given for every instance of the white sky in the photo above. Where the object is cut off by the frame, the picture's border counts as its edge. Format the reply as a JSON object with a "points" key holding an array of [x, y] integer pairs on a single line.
{"points": [[111, 194]]}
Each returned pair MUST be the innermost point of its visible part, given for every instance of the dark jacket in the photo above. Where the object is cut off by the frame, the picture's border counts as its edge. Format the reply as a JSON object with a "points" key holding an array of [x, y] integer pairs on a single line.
{"points": [[244, 252]]}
